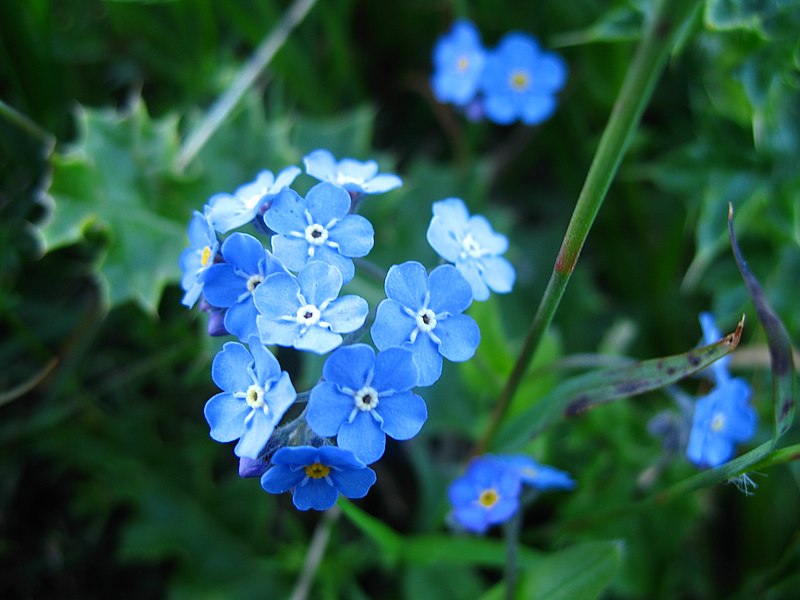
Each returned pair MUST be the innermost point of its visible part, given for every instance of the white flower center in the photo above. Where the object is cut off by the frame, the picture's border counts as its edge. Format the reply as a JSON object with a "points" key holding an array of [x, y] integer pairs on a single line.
{"points": [[470, 247], [255, 397], [253, 281], [426, 320], [366, 398], [718, 422], [308, 315], [316, 234]]}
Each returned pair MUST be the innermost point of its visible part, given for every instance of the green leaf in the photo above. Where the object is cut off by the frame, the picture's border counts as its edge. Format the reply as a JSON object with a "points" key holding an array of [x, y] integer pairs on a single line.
{"points": [[784, 391], [389, 542], [745, 14], [461, 550], [114, 180], [587, 391]]}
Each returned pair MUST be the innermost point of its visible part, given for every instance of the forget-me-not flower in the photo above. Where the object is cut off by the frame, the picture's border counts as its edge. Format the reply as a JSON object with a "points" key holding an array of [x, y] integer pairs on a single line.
{"points": [[316, 476], [358, 178], [255, 395], [458, 59], [474, 247], [305, 311], [318, 228], [231, 284], [723, 417], [538, 476], [520, 80], [423, 313], [487, 494], [364, 397], [229, 211], [198, 257]]}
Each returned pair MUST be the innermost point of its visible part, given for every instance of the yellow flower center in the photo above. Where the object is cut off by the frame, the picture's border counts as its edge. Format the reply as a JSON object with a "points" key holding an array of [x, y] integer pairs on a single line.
{"points": [[718, 422], [488, 498], [205, 256], [520, 81], [317, 470], [462, 63]]}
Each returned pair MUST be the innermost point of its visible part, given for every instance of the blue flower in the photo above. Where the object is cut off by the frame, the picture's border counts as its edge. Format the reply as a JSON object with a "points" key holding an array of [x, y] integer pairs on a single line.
{"points": [[364, 398], [423, 313], [538, 476], [520, 81], [723, 417], [232, 284], [200, 255], [316, 476], [304, 311], [318, 228], [231, 211], [487, 494], [358, 178], [458, 59], [255, 395]]}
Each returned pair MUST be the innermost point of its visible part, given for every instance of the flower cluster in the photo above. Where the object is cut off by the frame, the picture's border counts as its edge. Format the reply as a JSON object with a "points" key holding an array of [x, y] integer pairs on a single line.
{"points": [[516, 80], [288, 293], [723, 417], [489, 492]]}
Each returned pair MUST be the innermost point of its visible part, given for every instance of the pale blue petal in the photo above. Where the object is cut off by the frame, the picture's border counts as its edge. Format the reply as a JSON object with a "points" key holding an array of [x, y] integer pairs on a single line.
{"points": [[291, 251], [460, 336], [326, 202], [229, 370], [328, 408], [392, 326], [228, 212], [240, 319], [319, 282], [500, 108], [363, 437], [490, 242], [332, 257], [403, 415], [354, 234], [498, 274], [382, 183], [450, 292], [321, 164], [225, 415], [284, 178], [346, 314], [267, 367], [428, 359], [551, 72], [395, 370], [277, 296], [407, 283], [537, 108], [350, 367], [256, 435], [282, 333], [468, 268], [287, 213], [318, 340]]}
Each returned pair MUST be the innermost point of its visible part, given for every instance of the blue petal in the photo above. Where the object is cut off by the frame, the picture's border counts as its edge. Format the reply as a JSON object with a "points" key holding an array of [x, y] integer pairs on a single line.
{"points": [[291, 251], [328, 408], [460, 336], [498, 274], [287, 213], [354, 234], [382, 183], [244, 252], [316, 494], [450, 292], [472, 518], [468, 268], [225, 415], [332, 257], [321, 164], [392, 326], [267, 367], [407, 284], [318, 340], [395, 370], [339, 458], [350, 367], [282, 333], [280, 396], [346, 314], [319, 282], [403, 415], [537, 108], [327, 202], [357, 171], [447, 227], [228, 212], [363, 437], [240, 319], [277, 296], [222, 285], [284, 178], [500, 108], [355, 483], [297, 456], [428, 359], [490, 242], [280, 478], [551, 72], [255, 437], [229, 370]]}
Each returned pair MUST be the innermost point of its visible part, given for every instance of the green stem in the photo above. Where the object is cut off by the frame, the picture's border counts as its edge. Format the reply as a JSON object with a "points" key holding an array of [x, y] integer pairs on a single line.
{"points": [[658, 39], [511, 529], [243, 81], [12, 115]]}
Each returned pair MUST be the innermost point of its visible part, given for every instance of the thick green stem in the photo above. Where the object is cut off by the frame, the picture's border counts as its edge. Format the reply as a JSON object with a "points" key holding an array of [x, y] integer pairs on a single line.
{"points": [[658, 39]]}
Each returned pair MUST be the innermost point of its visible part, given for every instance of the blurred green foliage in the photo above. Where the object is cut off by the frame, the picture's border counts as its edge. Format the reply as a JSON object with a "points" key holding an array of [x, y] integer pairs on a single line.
{"points": [[109, 484]]}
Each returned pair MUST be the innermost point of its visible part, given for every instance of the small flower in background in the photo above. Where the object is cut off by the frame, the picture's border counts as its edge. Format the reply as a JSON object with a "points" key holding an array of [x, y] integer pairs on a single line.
{"points": [[474, 247], [520, 81], [423, 313], [229, 211], [458, 59], [305, 311], [233, 283], [316, 476], [358, 178], [200, 255], [255, 395], [216, 318], [487, 494], [364, 397], [538, 476], [318, 228], [723, 417], [252, 467]]}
